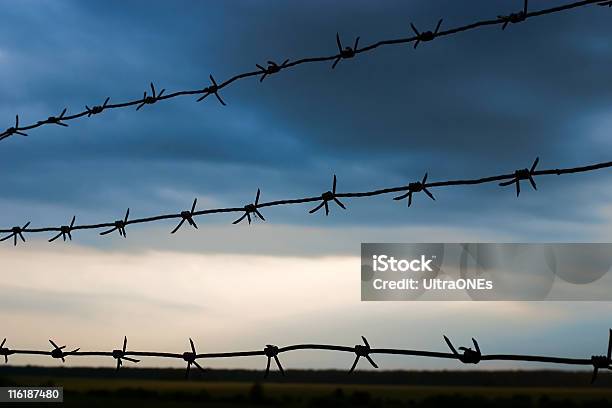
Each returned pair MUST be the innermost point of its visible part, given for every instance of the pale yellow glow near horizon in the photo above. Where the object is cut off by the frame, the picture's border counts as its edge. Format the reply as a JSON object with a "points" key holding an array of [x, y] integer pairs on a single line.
{"points": [[89, 298]]}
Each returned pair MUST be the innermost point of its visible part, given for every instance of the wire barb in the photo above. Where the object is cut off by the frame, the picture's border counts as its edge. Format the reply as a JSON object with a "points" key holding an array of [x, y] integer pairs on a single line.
{"points": [[271, 352], [251, 209], [65, 231], [602, 362], [150, 99], [190, 357], [346, 52], [4, 351], [362, 351], [468, 356], [119, 225], [425, 36], [94, 110], [187, 216], [56, 120], [523, 174], [326, 197], [416, 187], [211, 90], [120, 355], [58, 352], [16, 232], [13, 130], [515, 17], [272, 68]]}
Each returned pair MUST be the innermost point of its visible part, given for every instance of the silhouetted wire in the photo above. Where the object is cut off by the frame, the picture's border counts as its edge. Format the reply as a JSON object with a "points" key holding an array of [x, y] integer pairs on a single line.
{"points": [[252, 209], [346, 52], [465, 355]]}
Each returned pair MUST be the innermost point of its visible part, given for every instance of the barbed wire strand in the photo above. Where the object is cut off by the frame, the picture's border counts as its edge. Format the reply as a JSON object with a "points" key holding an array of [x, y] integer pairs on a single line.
{"points": [[272, 68], [331, 196], [466, 355]]}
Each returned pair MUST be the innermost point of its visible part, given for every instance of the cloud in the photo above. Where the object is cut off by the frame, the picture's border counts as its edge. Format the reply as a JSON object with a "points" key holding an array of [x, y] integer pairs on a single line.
{"points": [[477, 103], [90, 299]]}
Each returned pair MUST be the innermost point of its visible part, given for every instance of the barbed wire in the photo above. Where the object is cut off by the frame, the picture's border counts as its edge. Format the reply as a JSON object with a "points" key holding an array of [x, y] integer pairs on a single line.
{"points": [[465, 355], [253, 209], [273, 68]]}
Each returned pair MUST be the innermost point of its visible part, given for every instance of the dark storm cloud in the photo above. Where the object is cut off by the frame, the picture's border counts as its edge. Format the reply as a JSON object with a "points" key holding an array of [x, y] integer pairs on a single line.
{"points": [[474, 104]]}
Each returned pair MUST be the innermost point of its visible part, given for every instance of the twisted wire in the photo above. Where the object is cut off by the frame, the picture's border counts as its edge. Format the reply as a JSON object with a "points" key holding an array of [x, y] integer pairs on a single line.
{"points": [[273, 68], [465, 355], [254, 209]]}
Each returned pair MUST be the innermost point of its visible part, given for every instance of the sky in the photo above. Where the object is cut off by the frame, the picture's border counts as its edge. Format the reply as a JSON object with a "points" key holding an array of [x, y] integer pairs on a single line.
{"points": [[479, 103]]}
